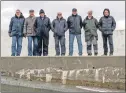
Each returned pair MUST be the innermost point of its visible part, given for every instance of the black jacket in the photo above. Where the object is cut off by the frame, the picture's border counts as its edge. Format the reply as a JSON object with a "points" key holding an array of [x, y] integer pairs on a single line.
{"points": [[42, 26], [74, 24]]}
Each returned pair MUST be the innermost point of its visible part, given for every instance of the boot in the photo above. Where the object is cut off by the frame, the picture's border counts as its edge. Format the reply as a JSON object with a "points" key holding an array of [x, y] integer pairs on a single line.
{"points": [[89, 54], [95, 54]]}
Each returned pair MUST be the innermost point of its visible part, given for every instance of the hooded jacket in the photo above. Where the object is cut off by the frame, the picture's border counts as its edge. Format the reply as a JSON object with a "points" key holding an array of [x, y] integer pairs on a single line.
{"points": [[42, 26], [74, 24], [90, 27], [16, 25], [107, 24], [59, 26]]}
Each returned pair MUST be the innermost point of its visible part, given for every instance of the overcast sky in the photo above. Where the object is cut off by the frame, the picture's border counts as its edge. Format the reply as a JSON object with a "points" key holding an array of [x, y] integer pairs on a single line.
{"points": [[51, 8]]}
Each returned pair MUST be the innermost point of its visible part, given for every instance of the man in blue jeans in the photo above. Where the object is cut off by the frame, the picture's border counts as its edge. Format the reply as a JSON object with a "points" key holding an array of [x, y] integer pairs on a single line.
{"points": [[16, 32], [74, 25], [29, 31]]}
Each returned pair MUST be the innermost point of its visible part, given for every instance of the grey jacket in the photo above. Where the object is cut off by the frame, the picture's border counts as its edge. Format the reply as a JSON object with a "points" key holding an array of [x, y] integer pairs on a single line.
{"points": [[16, 26], [74, 24], [42, 26], [29, 26], [107, 25], [90, 27], [59, 27]]}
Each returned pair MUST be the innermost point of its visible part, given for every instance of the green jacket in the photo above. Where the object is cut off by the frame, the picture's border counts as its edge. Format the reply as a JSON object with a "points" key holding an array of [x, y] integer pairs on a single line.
{"points": [[90, 27]]}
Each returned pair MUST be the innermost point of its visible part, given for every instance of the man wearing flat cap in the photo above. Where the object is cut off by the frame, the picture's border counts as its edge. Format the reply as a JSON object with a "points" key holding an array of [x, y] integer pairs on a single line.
{"points": [[42, 26], [31, 34], [74, 25]]}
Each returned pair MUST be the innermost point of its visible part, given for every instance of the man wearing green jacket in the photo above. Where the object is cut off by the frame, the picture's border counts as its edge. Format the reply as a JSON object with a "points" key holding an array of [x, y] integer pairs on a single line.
{"points": [[90, 25]]}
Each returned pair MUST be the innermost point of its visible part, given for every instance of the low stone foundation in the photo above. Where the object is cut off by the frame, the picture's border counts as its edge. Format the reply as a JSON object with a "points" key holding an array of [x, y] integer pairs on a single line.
{"points": [[107, 77]]}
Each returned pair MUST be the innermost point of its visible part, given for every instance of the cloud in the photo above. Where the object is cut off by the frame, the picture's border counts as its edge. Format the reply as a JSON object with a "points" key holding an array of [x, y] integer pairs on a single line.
{"points": [[52, 7]]}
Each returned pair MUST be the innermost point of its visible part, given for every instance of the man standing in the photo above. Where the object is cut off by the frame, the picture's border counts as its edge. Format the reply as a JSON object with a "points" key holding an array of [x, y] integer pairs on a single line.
{"points": [[16, 32], [29, 31], [107, 25], [74, 25], [42, 26], [90, 25], [59, 27]]}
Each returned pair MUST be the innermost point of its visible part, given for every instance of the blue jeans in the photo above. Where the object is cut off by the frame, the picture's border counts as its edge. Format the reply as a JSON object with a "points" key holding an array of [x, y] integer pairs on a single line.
{"points": [[35, 45], [71, 41], [16, 45]]}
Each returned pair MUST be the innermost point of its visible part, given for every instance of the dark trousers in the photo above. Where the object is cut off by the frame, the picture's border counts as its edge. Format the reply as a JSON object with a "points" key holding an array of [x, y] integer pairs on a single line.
{"points": [[43, 42], [60, 40], [108, 38]]}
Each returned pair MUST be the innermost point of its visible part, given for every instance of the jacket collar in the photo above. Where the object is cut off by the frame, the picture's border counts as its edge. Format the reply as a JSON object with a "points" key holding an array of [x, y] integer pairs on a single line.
{"points": [[88, 18], [43, 17], [74, 15], [31, 17], [58, 18], [21, 16]]}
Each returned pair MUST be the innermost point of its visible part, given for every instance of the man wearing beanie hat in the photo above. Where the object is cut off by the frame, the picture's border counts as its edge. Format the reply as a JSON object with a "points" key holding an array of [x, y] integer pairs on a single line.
{"points": [[30, 33], [107, 25], [42, 27], [74, 25]]}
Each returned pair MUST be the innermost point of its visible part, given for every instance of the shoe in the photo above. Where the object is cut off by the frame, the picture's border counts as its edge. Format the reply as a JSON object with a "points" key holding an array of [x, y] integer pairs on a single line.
{"points": [[62, 55], [57, 55], [95, 54], [89, 54], [111, 54], [104, 55]]}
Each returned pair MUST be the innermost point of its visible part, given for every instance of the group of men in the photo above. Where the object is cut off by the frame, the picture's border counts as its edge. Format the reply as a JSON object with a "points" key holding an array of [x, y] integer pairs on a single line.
{"points": [[36, 29]]}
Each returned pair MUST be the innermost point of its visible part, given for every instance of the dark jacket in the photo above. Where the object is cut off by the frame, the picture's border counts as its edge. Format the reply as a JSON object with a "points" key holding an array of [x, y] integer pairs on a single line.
{"points": [[107, 24], [29, 26], [16, 25], [74, 24], [90, 27], [59, 26], [42, 26]]}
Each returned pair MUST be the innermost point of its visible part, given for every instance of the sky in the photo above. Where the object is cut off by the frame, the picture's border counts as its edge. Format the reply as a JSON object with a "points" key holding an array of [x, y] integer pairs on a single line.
{"points": [[117, 9], [8, 8]]}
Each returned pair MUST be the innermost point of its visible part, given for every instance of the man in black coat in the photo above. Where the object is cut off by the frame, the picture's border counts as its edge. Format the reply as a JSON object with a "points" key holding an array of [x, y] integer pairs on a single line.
{"points": [[42, 27]]}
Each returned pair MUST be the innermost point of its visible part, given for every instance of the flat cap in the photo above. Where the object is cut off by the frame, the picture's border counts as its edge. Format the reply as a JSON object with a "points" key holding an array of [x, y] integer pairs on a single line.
{"points": [[31, 10], [74, 9]]}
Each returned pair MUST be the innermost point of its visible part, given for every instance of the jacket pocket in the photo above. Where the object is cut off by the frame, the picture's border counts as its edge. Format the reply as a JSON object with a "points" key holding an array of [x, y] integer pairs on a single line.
{"points": [[29, 30], [38, 32]]}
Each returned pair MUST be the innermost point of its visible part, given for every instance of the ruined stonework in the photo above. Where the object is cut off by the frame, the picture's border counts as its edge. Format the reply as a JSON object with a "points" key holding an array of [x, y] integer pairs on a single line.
{"points": [[108, 77]]}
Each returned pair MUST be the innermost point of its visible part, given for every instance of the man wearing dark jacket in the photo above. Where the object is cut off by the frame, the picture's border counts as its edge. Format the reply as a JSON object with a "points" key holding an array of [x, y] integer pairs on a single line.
{"points": [[59, 27], [29, 31], [42, 26], [16, 32], [90, 25], [107, 25], [74, 25]]}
